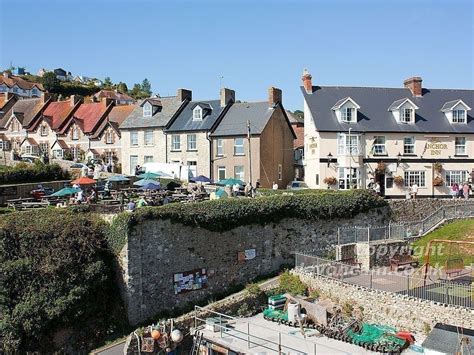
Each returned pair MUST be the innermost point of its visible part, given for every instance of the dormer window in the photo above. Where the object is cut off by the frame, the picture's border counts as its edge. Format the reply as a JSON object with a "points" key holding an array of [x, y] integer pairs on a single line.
{"points": [[346, 110], [197, 114], [407, 115], [44, 130], [456, 111], [459, 116], [403, 110], [147, 110]]}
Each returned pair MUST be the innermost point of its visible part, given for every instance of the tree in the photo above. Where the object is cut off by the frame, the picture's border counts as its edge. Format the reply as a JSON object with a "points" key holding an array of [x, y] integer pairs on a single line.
{"points": [[299, 113], [50, 82], [146, 87], [122, 87], [136, 91], [108, 84]]}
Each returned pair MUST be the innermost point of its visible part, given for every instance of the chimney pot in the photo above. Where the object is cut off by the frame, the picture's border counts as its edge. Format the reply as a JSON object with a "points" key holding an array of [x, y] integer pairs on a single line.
{"points": [[6, 74], [9, 95], [184, 94], [45, 97], [227, 96], [274, 96], [74, 99], [415, 85], [106, 101], [307, 81]]}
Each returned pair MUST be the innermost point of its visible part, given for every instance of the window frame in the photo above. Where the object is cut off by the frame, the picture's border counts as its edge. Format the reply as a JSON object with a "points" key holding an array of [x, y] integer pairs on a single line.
{"points": [[403, 115], [383, 146], [412, 145], [75, 133], [411, 176], [146, 159], [346, 146], [175, 143], [348, 112], [220, 147], [43, 130], [197, 113], [109, 139], [221, 168], [241, 174], [191, 142], [456, 116], [238, 146], [449, 175], [148, 138], [458, 145], [147, 110], [134, 138]]}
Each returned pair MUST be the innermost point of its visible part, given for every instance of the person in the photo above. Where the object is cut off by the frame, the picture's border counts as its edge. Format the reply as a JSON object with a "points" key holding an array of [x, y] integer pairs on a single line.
{"points": [[138, 168], [142, 202], [235, 190], [92, 197], [76, 186], [377, 188], [131, 206], [80, 197], [85, 170], [454, 191], [414, 190], [248, 189], [107, 189], [275, 186], [370, 185], [465, 190]]}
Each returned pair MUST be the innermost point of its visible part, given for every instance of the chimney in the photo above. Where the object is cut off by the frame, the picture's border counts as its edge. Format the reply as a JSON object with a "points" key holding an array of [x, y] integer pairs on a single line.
{"points": [[414, 84], [227, 96], [184, 94], [307, 81], [45, 97], [274, 96], [9, 95], [74, 99], [6, 74], [106, 101]]}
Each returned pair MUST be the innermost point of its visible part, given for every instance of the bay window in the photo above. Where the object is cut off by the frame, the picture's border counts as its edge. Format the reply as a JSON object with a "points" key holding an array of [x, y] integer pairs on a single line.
{"points": [[348, 144]]}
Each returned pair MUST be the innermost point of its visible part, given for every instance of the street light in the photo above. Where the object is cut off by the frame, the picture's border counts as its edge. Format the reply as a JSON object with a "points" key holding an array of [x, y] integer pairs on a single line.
{"points": [[329, 158], [399, 159]]}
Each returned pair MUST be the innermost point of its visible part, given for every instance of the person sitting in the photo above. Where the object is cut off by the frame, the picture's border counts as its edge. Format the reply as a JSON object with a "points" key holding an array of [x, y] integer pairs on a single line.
{"points": [[80, 197], [142, 202], [131, 206], [92, 197], [248, 189], [235, 190]]}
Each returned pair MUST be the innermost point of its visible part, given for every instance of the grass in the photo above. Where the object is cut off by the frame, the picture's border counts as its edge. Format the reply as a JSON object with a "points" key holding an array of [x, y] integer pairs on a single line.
{"points": [[461, 230]]}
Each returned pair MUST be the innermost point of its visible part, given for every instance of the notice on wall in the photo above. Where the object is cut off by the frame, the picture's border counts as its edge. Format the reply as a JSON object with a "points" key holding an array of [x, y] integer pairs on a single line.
{"points": [[190, 281], [250, 254]]}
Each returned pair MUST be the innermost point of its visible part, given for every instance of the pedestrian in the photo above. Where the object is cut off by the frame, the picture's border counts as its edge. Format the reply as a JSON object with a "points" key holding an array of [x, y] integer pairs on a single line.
{"points": [[414, 190], [248, 189], [377, 188], [465, 190], [275, 186], [235, 189], [454, 191], [131, 206]]}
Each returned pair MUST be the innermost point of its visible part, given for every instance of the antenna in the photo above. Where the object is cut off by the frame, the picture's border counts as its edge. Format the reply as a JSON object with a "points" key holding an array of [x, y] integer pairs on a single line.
{"points": [[221, 78]]}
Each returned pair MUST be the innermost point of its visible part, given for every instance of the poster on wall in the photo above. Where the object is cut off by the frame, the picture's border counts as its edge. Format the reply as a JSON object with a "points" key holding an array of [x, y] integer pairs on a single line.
{"points": [[190, 281], [250, 254]]}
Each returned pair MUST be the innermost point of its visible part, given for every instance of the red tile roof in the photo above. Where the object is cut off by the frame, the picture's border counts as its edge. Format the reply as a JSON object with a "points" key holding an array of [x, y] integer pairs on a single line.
{"points": [[20, 82], [89, 115], [57, 112], [118, 114]]}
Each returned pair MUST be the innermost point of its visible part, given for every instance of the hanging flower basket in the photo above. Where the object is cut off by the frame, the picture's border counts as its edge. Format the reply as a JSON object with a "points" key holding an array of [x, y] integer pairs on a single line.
{"points": [[438, 181], [381, 167], [438, 167], [398, 180], [330, 180]]}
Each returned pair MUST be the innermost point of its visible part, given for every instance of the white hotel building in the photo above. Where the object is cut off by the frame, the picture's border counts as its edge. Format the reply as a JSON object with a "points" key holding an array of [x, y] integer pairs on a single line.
{"points": [[396, 136]]}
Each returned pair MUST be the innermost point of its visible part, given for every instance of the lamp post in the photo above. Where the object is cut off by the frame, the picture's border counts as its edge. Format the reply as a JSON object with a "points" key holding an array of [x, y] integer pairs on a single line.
{"points": [[399, 159], [329, 156]]}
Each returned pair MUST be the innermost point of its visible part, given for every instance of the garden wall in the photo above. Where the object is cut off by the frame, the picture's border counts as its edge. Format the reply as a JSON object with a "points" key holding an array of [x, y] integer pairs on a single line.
{"points": [[158, 251]]}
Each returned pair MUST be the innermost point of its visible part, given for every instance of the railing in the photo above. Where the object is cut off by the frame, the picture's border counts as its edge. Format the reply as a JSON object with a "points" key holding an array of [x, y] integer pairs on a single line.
{"points": [[227, 327], [431, 289], [357, 234]]}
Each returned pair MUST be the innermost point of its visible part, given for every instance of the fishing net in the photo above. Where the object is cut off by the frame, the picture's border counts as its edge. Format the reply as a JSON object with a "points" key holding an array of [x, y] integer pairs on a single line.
{"points": [[375, 334], [275, 314]]}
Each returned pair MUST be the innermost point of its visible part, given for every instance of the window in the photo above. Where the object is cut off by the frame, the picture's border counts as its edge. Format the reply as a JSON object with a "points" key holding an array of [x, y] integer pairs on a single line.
{"points": [[109, 137], [58, 153], [4, 145], [134, 138], [459, 116], [197, 114], [192, 165], [3, 88], [239, 146], [133, 163], [280, 172], [175, 142], [348, 144], [75, 133], [348, 114], [76, 152], [147, 110], [192, 142], [456, 176], [34, 92], [460, 145], [109, 158], [221, 174], [15, 89], [349, 178], [220, 147], [44, 130], [379, 145], [28, 149], [415, 177], [409, 145], [148, 138], [239, 172], [407, 115], [148, 159], [44, 147]]}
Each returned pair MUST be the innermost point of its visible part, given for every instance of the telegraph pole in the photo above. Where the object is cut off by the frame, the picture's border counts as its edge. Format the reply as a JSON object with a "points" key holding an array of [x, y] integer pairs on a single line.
{"points": [[250, 152]]}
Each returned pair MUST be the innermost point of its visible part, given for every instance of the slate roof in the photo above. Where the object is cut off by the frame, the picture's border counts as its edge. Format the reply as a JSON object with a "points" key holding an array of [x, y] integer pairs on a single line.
{"points": [[184, 121], [450, 105], [25, 110], [234, 122], [373, 115], [20, 82], [161, 118], [293, 118]]}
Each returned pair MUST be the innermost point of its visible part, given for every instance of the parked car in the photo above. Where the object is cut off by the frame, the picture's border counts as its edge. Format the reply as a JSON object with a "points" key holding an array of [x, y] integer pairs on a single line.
{"points": [[38, 193], [297, 185], [29, 158], [78, 166]]}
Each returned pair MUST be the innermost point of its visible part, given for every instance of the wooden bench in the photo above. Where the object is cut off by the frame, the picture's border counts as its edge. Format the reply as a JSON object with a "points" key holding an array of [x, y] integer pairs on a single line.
{"points": [[402, 260]]}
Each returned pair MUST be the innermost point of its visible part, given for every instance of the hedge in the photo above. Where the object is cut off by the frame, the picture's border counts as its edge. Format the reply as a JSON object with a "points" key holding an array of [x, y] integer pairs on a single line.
{"points": [[57, 274], [37, 172], [271, 192], [225, 214]]}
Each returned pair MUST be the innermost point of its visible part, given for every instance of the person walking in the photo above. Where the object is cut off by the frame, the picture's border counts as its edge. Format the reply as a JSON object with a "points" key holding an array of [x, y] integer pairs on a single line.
{"points": [[465, 190], [454, 191], [414, 190]]}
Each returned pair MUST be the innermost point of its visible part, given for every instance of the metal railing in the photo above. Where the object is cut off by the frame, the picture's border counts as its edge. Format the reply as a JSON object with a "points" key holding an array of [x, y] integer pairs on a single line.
{"points": [[227, 327], [369, 234], [431, 288]]}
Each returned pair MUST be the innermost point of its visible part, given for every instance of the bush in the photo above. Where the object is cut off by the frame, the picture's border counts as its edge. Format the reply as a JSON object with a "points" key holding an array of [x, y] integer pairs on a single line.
{"points": [[57, 275], [253, 289], [225, 214], [291, 284], [37, 172]]}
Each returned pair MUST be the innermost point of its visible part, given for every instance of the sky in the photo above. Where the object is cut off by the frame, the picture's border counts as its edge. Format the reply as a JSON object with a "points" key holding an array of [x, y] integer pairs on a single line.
{"points": [[244, 45]]}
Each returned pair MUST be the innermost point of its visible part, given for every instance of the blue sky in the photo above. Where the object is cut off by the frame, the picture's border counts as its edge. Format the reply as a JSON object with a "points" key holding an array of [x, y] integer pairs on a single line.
{"points": [[252, 44]]}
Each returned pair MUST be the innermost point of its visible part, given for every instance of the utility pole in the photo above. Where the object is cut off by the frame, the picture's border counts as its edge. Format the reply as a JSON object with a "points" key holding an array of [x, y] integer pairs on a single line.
{"points": [[250, 152]]}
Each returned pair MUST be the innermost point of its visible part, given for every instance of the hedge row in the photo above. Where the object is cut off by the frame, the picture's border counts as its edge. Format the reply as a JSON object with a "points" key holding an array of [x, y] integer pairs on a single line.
{"points": [[271, 192], [37, 172], [225, 214]]}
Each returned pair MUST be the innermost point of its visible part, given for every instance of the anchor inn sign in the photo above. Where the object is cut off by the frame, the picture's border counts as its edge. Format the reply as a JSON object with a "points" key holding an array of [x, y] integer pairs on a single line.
{"points": [[405, 135]]}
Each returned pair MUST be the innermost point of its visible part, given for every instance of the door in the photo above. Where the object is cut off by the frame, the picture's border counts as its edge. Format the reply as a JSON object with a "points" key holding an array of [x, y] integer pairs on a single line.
{"points": [[380, 178]]}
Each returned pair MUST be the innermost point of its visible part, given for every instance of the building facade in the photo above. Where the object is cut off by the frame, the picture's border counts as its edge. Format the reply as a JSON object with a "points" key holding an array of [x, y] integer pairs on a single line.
{"points": [[19, 86], [397, 137]]}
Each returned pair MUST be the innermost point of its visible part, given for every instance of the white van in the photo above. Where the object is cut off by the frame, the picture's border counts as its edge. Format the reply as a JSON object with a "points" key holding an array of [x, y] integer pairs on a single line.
{"points": [[172, 170]]}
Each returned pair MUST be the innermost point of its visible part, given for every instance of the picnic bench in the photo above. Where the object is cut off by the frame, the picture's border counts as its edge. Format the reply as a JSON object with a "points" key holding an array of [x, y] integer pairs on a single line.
{"points": [[401, 261], [454, 266], [17, 202]]}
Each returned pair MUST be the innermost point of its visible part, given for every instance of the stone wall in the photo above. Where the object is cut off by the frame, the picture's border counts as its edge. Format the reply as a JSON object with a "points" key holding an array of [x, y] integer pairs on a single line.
{"points": [[401, 312], [159, 249], [418, 209]]}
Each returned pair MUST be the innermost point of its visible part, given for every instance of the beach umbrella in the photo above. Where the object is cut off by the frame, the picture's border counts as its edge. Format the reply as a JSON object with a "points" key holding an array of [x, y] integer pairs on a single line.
{"points": [[118, 178], [200, 178], [144, 182], [150, 186], [83, 181], [66, 192], [220, 193], [231, 181]]}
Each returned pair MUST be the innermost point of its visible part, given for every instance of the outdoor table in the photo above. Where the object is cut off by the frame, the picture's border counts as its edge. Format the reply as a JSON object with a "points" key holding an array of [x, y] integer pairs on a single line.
{"points": [[35, 204]]}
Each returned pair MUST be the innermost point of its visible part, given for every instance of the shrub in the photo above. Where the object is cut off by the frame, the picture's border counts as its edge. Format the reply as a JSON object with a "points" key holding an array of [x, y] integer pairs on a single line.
{"points": [[291, 284], [56, 275], [214, 215], [253, 289], [37, 172], [438, 167], [438, 181], [330, 180]]}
